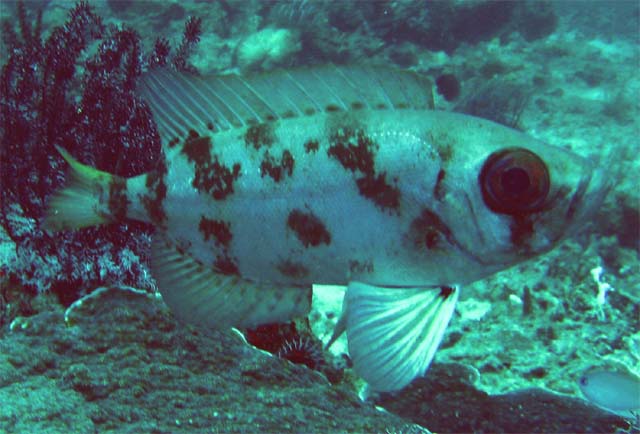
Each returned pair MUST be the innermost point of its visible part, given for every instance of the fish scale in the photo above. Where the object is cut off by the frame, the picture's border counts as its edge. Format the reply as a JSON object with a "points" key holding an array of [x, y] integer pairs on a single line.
{"points": [[334, 175]]}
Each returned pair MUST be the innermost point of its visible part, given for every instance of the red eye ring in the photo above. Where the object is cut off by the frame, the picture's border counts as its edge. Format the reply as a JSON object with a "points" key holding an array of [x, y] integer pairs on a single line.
{"points": [[514, 181]]}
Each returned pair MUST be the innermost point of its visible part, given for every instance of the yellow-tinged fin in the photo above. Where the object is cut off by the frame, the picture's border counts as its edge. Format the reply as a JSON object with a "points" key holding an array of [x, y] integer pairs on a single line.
{"points": [[83, 201], [196, 294]]}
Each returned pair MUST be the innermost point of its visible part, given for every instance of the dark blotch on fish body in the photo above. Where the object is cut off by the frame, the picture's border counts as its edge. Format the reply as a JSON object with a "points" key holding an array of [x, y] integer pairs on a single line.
{"points": [[197, 149], [356, 152], [258, 136], [216, 229], [212, 177], [277, 170], [446, 291], [359, 267], [521, 232], [445, 152], [173, 142], [311, 146], [216, 179], [225, 265], [429, 231], [353, 150], [118, 202], [381, 193], [292, 269], [156, 193], [286, 162], [438, 189], [308, 228]]}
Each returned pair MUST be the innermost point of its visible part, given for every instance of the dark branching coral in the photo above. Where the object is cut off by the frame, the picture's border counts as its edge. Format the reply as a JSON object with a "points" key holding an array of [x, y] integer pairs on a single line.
{"points": [[191, 36], [34, 112], [51, 95]]}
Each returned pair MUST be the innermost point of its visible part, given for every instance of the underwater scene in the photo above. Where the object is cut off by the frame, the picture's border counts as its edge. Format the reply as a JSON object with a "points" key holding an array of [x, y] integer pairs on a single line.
{"points": [[316, 216]]}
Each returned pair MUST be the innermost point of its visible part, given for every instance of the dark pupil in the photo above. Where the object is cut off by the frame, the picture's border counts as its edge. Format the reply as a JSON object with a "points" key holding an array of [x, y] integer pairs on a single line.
{"points": [[515, 181]]}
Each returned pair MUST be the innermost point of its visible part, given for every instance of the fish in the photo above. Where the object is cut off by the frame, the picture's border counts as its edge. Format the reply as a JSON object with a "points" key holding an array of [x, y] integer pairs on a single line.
{"points": [[333, 175], [616, 390]]}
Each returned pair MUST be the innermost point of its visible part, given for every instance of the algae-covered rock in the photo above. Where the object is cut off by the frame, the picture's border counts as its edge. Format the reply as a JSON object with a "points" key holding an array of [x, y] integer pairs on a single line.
{"points": [[120, 363]]}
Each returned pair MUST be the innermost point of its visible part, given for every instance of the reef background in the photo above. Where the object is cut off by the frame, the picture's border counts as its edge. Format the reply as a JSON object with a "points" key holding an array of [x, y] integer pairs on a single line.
{"points": [[564, 72]]}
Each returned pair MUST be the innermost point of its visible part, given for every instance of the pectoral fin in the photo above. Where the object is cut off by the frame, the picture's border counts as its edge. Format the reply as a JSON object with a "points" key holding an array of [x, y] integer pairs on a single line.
{"points": [[393, 333], [197, 294]]}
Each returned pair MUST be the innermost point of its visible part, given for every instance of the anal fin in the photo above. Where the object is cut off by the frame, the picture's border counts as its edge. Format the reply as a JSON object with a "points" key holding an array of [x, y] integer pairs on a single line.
{"points": [[393, 333], [196, 294]]}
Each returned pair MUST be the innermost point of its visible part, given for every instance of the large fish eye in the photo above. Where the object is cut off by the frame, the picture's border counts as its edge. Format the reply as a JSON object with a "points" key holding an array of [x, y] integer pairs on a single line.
{"points": [[514, 181]]}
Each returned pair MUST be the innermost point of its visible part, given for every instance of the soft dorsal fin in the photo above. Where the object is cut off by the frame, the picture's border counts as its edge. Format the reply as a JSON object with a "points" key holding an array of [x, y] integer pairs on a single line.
{"points": [[182, 102]]}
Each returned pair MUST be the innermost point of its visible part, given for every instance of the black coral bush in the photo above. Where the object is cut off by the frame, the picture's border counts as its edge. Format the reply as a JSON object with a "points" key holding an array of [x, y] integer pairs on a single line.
{"points": [[75, 90]]}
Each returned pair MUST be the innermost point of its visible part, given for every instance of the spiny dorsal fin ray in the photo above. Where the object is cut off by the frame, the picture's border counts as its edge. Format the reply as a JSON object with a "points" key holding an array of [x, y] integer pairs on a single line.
{"points": [[198, 295], [182, 102]]}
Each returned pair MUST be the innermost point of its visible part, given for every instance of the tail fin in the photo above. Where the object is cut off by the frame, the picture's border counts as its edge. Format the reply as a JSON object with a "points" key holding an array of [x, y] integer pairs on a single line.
{"points": [[83, 201]]}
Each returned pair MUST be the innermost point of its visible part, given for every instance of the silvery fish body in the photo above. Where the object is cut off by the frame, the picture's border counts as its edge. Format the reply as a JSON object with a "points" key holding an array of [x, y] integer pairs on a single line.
{"points": [[387, 198], [338, 176]]}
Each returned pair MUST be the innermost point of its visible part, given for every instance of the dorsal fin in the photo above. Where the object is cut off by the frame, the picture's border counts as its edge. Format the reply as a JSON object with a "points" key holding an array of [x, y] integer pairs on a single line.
{"points": [[181, 102]]}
